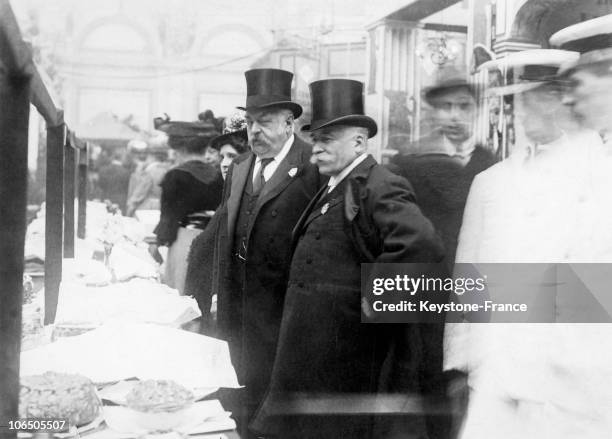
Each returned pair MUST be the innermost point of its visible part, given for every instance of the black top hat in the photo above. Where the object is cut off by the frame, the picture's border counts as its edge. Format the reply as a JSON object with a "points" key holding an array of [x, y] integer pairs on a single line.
{"points": [[270, 88], [338, 102]]}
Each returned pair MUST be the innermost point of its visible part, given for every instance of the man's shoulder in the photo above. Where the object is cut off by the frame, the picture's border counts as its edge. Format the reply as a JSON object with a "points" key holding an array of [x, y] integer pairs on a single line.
{"points": [[377, 178]]}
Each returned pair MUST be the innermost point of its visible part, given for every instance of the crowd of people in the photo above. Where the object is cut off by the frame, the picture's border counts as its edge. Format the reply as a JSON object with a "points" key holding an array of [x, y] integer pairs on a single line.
{"points": [[268, 228]]}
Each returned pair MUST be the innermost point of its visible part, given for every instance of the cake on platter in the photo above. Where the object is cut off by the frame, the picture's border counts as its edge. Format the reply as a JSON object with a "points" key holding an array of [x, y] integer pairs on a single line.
{"points": [[58, 395], [160, 405]]}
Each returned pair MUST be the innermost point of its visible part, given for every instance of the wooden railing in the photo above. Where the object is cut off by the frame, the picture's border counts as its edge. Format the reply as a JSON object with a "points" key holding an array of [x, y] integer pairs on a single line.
{"points": [[20, 85]]}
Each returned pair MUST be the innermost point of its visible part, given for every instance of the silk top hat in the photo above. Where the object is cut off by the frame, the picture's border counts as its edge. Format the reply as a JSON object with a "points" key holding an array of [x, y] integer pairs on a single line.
{"points": [[531, 68], [270, 88], [591, 38], [338, 102], [448, 79]]}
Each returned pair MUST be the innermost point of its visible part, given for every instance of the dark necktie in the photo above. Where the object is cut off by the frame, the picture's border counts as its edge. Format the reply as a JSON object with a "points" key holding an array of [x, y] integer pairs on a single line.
{"points": [[259, 180]]}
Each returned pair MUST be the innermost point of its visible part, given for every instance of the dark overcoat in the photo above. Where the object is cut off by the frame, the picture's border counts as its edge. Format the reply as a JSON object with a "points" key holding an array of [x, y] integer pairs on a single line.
{"points": [[324, 349], [251, 294], [441, 184]]}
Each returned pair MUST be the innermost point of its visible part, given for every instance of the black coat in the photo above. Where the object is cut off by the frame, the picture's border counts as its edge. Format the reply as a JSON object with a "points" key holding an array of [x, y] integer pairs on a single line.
{"points": [[191, 187], [199, 277], [441, 185], [324, 349], [251, 298]]}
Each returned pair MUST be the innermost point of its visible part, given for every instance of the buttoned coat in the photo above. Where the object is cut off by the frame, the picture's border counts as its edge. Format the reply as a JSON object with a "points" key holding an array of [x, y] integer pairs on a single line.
{"points": [[251, 295], [324, 349]]}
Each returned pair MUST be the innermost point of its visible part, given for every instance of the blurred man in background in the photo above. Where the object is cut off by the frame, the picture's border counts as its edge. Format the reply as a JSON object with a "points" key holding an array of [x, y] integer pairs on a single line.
{"points": [[447, 161]]}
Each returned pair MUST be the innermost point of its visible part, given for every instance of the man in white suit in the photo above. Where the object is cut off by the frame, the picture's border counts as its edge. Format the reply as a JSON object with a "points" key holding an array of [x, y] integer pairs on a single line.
{"points": [[529, 208]]}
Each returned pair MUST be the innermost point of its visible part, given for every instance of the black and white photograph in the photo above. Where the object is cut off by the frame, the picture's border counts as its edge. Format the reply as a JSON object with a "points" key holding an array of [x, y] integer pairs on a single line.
{"points": [[324, 219]]}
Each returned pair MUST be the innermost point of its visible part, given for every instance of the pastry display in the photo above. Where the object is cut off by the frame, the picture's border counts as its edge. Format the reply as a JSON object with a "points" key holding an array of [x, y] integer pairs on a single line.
{"points": [[57, 395], [154, 396]]}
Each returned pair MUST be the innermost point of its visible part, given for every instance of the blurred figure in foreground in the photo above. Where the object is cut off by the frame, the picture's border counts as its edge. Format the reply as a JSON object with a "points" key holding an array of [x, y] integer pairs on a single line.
{"points": [[191, 192], [231, 144], [530, 208], [442, 171]]}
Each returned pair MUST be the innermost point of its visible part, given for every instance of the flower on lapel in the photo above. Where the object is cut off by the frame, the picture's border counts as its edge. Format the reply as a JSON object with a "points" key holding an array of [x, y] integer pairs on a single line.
{"points": [[292, 172]]}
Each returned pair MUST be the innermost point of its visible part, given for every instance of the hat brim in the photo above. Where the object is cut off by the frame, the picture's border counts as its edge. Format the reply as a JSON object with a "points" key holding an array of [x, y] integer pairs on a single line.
{"points": [[506, 90], [296, 109], [354, 120], [431, 92], [223, 139]]}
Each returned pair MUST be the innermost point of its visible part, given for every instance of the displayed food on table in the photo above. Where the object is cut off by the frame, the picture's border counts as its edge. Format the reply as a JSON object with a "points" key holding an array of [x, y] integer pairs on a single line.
{"points": [[59, 395], [159, 396], [139, 300]]}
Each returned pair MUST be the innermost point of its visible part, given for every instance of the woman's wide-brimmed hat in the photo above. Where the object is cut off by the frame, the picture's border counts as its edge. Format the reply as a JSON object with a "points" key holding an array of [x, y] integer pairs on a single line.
{"points": [[203, 127], [270, 88], [338, 102], [235, 129]]}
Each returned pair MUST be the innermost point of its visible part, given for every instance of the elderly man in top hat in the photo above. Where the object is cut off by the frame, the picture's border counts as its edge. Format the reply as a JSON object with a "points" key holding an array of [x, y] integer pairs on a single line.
{"points": [[530, 208], [265, 191], [442, 165], [324, 349]]}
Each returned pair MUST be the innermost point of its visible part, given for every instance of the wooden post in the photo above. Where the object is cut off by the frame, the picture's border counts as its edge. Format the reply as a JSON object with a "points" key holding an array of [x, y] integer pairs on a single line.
{"points": [[15, 98], [15, 82], [69, 195], [82, 190], [56, 139]]}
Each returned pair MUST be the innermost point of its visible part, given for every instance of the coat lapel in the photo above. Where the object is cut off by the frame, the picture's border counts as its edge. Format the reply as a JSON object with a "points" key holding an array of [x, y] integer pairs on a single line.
{"points": [[240, 174], [361, 172], [281, 177], [318, 208]]}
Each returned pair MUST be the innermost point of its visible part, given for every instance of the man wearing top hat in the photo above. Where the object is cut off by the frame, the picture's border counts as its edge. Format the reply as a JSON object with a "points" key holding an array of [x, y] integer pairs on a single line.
{"points": [[364, 214], [265, 191], [530, 208], [442, 165]]}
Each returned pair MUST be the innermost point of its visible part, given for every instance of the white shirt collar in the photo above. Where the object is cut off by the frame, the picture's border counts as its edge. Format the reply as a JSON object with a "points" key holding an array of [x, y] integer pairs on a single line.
{"points": [[336, 179], [463, 152], [269, 170]]}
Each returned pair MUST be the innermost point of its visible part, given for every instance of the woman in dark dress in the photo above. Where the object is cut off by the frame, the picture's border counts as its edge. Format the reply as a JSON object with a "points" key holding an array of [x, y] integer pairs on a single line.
{"points": [[200, 262], [191, 192]]}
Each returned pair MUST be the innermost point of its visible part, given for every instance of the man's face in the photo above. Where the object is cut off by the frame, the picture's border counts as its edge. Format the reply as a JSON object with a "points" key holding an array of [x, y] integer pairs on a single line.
{"points": [[536, 110], [334, 148], [268, 130], [454, 113], [591, 99]]}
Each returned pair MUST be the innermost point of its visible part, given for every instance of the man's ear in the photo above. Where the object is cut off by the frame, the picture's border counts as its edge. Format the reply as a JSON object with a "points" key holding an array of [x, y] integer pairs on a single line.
{"points": [[361, 142], [290, 119]]}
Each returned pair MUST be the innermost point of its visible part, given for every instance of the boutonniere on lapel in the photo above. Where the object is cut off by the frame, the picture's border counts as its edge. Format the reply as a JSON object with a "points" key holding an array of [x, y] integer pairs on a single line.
{"points": [[325, 208], [292, 172]]}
